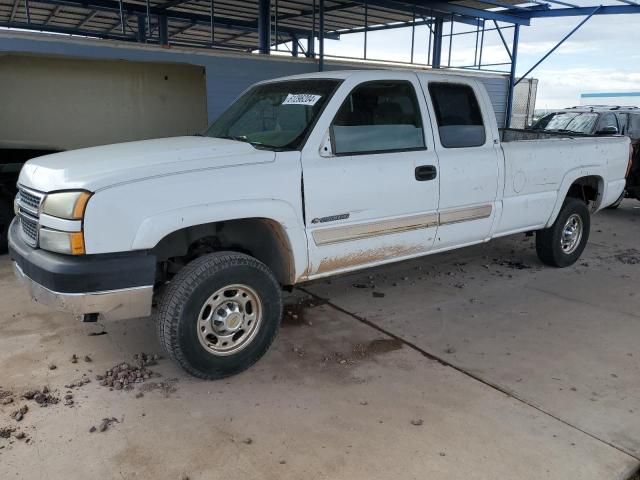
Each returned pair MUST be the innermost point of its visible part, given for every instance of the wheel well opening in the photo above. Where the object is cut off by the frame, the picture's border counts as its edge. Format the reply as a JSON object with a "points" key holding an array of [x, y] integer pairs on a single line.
{"points": [[589, 189], [262, 238]]}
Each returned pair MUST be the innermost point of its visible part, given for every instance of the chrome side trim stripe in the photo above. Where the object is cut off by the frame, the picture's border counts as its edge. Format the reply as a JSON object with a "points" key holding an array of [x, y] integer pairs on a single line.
{"points": [[364, 230], [465, 214], [347, 233]]}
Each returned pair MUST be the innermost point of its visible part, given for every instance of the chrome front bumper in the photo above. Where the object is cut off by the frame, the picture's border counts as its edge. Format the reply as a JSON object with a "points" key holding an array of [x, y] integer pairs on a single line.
{"points": [[110, 305]]}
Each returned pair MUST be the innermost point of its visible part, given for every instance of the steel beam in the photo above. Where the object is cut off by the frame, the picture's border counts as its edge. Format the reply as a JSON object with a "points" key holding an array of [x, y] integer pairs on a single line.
{"points": [[163, 29], [512, 76], [87, 19], [54, 12], [142, 29], [424, 9], [264, 26], [504, 42], [202, 19], [519, 17], [438, 27], [564, 39], [321, 34], [582, 11], [14, 9], [65, 30]]}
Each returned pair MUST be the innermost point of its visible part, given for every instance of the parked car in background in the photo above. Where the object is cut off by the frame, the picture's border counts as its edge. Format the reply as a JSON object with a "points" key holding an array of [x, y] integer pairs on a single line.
{"points": [[601, 120], [301, 178]]}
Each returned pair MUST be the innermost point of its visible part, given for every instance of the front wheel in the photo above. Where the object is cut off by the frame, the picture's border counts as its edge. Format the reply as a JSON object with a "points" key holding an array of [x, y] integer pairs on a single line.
{"points": [[219, 314], [562, 243]]}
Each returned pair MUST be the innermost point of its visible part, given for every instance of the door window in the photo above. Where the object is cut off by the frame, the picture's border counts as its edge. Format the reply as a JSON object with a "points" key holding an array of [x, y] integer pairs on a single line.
{"points": [[458, 115], [378, 117]]}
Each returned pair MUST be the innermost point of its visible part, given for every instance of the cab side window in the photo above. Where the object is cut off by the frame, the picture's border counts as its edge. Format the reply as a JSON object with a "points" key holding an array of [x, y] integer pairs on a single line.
{"points": [[623, 119], [634, 126], [458, 115], [607, 120], [379, 116]]}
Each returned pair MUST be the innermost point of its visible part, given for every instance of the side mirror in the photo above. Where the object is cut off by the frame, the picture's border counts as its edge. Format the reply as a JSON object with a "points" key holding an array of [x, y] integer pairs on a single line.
{"points": [[608, 130], [326, 150]]}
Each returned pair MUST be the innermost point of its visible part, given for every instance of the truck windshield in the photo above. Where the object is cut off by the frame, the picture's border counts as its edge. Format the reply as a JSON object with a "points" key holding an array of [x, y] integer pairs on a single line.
{"points": [[574, 122], [275, 116]]}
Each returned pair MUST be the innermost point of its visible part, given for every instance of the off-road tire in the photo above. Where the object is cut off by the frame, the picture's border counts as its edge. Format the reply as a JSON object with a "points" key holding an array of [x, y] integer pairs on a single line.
{"points": [[548, 240], [6, 214], [180, 304]]}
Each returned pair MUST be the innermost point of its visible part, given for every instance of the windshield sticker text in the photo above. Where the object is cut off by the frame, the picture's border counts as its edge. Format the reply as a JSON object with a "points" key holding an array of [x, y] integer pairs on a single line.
{"points": [[301, 99]]}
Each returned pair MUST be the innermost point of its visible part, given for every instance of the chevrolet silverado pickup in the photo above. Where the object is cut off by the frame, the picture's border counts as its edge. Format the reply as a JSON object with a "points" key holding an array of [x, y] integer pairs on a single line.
{"points": [[301, 178]]}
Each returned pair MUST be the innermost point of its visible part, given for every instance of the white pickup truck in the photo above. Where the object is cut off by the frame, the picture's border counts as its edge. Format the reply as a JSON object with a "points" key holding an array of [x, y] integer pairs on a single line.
{"points": [[301, 178]]}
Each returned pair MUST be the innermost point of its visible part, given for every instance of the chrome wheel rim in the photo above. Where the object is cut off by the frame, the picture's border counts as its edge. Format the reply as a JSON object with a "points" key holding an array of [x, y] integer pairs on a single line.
{"points": [[229, 320], [571, 234]]}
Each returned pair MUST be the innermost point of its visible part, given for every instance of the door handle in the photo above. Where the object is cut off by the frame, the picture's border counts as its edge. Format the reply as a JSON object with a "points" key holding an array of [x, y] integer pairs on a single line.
{"points": [[426, 172]]}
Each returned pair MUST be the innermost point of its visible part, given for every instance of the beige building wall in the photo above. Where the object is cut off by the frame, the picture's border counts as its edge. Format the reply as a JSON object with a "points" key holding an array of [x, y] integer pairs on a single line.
{"points": [[62, 103]]}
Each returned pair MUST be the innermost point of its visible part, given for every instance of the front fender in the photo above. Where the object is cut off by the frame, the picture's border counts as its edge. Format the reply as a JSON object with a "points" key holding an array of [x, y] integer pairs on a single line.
{"points": [[570, 177], [154, 228]]}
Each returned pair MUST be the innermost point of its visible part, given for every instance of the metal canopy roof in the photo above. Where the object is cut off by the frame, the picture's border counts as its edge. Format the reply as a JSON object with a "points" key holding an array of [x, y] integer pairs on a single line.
{"points": [[235, 24]]}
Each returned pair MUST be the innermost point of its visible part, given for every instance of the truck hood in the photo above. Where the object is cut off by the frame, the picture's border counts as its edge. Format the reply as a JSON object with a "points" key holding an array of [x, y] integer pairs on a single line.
{"points": [[97, 168]]}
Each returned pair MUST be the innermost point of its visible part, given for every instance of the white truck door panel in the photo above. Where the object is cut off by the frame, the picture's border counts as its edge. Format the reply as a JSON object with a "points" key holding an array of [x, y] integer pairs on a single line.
{"points": [[375, 199], [469, 159]]}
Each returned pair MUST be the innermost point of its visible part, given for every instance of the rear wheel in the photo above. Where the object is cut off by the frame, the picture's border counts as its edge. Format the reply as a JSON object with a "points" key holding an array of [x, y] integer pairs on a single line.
{"points": [[219, 314], [562, 243]]}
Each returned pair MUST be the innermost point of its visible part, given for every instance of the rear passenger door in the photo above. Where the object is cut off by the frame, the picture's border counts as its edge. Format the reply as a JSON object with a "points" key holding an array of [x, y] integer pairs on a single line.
{"points": [[374, 198], [466, 140]]}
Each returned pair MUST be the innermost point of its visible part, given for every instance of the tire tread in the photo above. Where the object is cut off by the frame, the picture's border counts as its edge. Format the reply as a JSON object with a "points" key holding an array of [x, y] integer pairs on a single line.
{"points": [[177, 293]]}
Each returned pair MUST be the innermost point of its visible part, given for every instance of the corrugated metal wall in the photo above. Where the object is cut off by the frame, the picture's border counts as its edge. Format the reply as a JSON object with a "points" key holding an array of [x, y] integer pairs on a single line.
{"points": [[227, 74]]}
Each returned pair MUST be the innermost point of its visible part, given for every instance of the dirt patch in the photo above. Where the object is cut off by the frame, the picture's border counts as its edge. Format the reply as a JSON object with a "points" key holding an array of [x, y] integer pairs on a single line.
{"points": [[166, 388], [376, 347], [629, 257], [124, 376], [364, 351], [294, 313], [6, 397], [514, 264], [104, 425]]}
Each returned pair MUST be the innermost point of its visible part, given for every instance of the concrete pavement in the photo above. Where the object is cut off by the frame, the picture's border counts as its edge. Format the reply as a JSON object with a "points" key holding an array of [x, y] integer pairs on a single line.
{"points": [[537, 378]]}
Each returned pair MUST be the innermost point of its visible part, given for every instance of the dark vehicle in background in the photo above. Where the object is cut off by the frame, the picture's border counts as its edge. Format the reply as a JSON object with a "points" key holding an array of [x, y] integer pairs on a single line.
{"points": [[601, 120], [12, 158]]}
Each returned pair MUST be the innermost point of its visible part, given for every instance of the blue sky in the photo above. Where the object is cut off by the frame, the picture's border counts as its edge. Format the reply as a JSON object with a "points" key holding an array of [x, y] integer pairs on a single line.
{"points": [[604, 55]]}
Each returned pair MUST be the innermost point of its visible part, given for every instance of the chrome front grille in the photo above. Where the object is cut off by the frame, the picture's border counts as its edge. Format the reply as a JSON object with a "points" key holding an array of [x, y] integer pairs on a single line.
{"points": [[29, 228], [29, 202]]}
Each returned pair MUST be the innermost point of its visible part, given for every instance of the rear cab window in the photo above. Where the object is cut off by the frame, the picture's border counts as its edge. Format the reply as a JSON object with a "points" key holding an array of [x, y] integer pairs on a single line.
{"points": [[633, 129], [376, 117], [607, 120], [458, 115]]}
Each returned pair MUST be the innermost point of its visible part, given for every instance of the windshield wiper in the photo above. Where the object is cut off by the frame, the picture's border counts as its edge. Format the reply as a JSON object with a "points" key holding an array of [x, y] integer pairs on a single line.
{"points": [[241, 138], [237, 138]]}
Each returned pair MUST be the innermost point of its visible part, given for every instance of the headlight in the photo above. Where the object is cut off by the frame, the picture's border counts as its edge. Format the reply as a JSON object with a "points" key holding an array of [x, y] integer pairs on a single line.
{"points": [[69, 205], [71, 243], [61, 222]]}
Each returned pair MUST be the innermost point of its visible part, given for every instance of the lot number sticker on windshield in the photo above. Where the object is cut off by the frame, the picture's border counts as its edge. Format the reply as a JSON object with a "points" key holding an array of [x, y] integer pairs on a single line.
{"points": [[301, 99]]}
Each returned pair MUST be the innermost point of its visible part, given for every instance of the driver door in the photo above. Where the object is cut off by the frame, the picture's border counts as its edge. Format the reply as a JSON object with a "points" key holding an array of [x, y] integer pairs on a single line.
{"points": [[374, 197]]}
